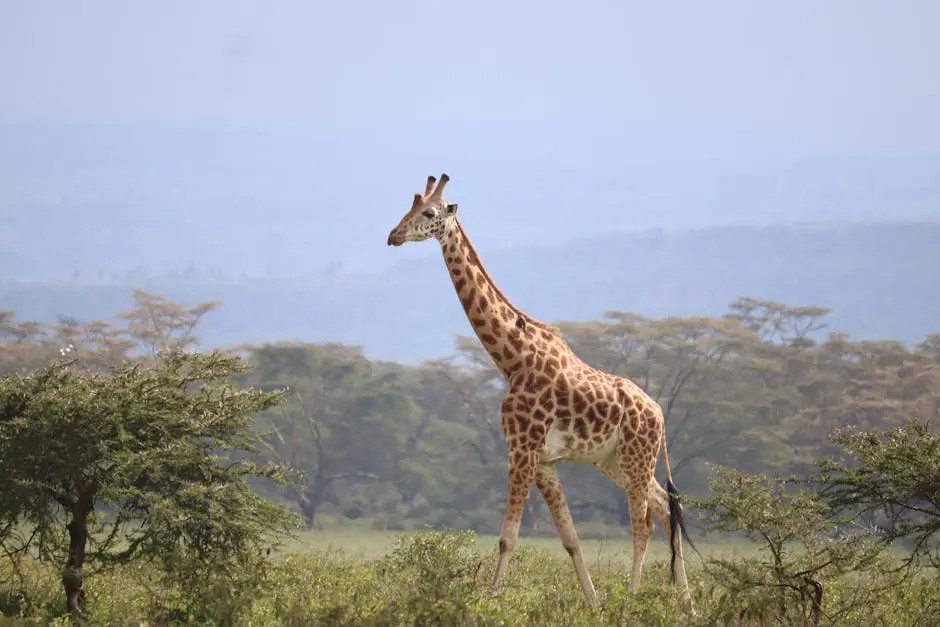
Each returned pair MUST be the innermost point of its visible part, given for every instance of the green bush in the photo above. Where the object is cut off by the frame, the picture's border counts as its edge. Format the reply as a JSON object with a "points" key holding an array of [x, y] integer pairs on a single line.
{"points": [[126, 466], [441, 578]]}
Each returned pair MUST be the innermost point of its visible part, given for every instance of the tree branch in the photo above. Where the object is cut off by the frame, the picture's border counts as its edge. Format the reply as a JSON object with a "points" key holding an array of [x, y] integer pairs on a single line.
{"points": [[351, 475]]}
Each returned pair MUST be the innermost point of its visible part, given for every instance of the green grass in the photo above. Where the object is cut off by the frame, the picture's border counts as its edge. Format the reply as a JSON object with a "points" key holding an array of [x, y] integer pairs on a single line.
{"points": [[353, 577], [615, 551]]}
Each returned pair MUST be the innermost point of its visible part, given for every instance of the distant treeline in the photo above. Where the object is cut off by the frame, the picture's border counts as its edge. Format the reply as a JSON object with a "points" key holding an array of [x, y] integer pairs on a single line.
{"points": [[401, 446]]}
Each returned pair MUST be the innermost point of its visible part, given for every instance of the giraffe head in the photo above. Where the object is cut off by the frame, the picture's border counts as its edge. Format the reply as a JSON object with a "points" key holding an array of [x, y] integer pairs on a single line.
{"points": [[430, 215]]}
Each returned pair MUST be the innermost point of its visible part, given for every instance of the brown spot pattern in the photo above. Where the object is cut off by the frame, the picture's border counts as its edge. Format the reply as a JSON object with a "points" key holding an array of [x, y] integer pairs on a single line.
{"points": [[552, 390]]}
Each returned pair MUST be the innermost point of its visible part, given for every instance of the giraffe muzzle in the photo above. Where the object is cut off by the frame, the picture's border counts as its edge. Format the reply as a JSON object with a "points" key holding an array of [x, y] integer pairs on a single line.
{"points": [[395, 239]]}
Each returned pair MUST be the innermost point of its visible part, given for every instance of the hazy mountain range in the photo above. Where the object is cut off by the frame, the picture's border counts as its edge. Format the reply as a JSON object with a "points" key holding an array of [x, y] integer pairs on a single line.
{"points": [[880, 280], [110, 199]]}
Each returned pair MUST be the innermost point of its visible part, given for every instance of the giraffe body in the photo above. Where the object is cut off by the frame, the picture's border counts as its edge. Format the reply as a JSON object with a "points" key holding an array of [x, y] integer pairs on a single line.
{"points": [[557, 407]]}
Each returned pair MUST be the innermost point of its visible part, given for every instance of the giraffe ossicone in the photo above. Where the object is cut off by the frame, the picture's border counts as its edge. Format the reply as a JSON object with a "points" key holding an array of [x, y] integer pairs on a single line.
{"points": [[557, 407]]}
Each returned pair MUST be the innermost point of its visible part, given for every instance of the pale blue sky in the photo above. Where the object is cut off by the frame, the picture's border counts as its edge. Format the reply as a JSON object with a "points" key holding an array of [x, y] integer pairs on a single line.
{"points": [[832, 77], [575, 98]]}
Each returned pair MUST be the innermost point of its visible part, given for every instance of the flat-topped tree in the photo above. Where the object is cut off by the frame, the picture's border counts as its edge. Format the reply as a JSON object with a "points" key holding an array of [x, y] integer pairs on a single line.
{"points": [[557, 407]]}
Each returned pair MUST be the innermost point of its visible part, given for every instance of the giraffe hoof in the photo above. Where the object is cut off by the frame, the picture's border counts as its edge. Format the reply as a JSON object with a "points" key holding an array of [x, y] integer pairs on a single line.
{"points": [[685, 604]]}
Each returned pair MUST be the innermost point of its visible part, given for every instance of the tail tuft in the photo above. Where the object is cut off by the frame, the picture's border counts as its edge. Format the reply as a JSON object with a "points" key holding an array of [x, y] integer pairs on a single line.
{"points": [[676, 525]]}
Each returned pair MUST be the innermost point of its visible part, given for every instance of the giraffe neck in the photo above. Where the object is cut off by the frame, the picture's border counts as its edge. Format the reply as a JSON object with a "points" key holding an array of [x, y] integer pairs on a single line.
{"points": [[506, 332]]}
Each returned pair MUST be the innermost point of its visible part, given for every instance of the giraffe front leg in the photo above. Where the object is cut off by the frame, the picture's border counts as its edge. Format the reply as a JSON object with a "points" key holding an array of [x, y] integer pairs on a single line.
{"points": [[521, 475], [546, 478]]}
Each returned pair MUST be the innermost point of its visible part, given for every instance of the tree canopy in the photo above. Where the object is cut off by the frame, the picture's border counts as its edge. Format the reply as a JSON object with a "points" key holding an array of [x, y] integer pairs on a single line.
{"points": [[100, 465]]}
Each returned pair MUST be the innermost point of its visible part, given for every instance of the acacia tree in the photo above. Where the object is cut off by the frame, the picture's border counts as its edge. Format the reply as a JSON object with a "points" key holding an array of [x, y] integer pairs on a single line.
{"points": [[152, 324], [785, 581], [22, 344], [777, 323], [101, 468], [893, 474], [340, 422], [157, 324]]}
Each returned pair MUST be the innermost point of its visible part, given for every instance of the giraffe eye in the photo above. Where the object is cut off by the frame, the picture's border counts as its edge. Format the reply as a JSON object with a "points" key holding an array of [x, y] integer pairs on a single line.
{"points": [[428, 214]]}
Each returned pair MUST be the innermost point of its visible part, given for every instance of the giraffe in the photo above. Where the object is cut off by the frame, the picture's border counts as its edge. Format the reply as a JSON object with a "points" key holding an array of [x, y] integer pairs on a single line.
{"points": [[557, 408]]}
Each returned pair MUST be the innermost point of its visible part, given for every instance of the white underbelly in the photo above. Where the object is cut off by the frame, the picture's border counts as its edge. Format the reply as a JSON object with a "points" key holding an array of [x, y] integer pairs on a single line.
{"points": [[565, 446]]}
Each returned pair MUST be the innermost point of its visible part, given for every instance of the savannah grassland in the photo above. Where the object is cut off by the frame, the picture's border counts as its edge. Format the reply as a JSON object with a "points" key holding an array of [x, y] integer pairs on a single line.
{"points": [[365, 577], [766, 411]]}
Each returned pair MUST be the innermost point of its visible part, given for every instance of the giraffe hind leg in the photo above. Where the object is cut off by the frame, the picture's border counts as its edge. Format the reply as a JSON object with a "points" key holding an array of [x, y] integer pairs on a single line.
{"points": [[641, 529], [632, 469], [549, 485], [641, 522]]}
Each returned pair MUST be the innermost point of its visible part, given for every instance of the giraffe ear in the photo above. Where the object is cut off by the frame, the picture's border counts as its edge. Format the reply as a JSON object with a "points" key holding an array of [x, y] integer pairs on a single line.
{"points": [[451, 208]]}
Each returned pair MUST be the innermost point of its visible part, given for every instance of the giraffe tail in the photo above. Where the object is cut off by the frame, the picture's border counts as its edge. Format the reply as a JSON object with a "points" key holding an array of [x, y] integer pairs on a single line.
{"points": [[676, 518]]}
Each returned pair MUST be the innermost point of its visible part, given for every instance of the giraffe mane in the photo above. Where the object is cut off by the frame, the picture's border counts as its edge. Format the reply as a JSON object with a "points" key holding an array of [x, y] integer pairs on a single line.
{"points": [[529, 320]]}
